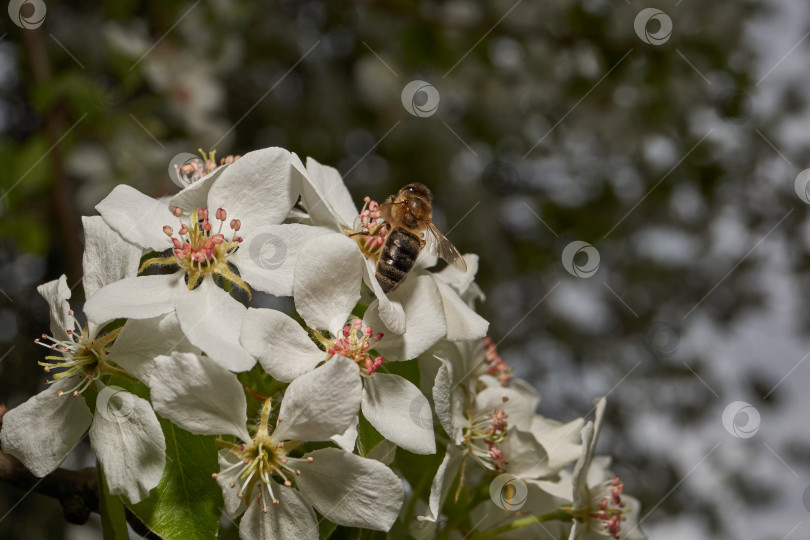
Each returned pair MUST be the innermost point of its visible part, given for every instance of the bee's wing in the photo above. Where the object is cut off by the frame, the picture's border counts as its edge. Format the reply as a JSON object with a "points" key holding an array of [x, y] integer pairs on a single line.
{"points": [[444, 248]]}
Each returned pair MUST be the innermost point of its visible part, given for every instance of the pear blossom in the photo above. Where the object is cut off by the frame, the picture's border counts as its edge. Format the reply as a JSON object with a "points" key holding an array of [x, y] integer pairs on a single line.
{"points": [[207, 233], [489, 416], [43, 430], [285, 350], [595, 497], [328, 203], [261, 475]]}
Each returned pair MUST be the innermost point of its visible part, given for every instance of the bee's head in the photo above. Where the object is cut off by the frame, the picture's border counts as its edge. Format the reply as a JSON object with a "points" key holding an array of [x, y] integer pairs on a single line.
{"points": [[420, 190]]}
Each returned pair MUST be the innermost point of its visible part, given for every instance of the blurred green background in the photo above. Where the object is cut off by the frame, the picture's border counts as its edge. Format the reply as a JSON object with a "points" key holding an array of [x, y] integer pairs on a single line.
{"points": [[673, 154]]}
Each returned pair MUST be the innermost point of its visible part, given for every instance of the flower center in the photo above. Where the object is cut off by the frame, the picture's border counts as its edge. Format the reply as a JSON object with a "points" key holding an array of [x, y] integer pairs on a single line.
{"points": [[370, 231], [355, 343], [607, 509], [261, 460], [81, 355], [195, 169], [495, 365], [484, 436], [199, 251]]}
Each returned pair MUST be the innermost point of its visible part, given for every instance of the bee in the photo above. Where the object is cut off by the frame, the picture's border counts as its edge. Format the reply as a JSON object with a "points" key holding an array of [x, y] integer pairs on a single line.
{"points": [[408, 214]]}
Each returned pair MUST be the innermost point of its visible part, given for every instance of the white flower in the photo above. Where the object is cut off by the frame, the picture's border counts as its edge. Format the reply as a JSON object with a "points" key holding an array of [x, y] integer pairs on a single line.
{"points": [[598, 504], [257, 189], [124, 431], [261, 475], [390, 403], [329, 203], [489, 416]]}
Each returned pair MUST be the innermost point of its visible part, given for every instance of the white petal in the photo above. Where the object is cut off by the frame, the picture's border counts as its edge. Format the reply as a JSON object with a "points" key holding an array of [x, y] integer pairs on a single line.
{"points": [[562, 488], [268, 254], [400, 412], [561, 441], [527, 457], [211, 320], [134, 298], [128, 441], [463, 323], [107, 257], [141, 341], [42, 431], [519, 405], [385, 451], [580, 477], [195, 195], [390, 312], [424, 320], [256, 189], [326, 197], [458, 280], [137, 217], [348, 438], [328, 277], [199, 396], [320, 404], [57, 294], [442, 481], [449, 401], [292, 517], [227, 473], [282, 347], [350, 490]]}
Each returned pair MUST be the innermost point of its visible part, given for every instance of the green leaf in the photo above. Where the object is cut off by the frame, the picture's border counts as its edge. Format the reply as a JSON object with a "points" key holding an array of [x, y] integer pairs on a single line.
{"points": [[112, 511], [408, 370], [187, 503], [325, 528], [367, 436]]}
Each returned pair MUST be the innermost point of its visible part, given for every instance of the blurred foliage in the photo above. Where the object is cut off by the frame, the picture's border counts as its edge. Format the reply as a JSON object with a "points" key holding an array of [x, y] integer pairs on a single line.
{"points": [[556, 123]]}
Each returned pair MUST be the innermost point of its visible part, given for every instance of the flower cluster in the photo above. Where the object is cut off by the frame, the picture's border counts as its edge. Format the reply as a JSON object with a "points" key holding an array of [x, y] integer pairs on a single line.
{"points": [[309, 408]]}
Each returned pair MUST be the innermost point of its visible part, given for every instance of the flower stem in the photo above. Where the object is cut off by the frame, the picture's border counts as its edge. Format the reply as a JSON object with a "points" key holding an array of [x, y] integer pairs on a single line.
{"points": [[557, 515]]}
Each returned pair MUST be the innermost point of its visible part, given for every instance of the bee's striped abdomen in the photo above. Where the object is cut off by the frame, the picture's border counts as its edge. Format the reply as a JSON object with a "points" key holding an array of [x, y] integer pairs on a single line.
{"points": [[397, 258]]}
